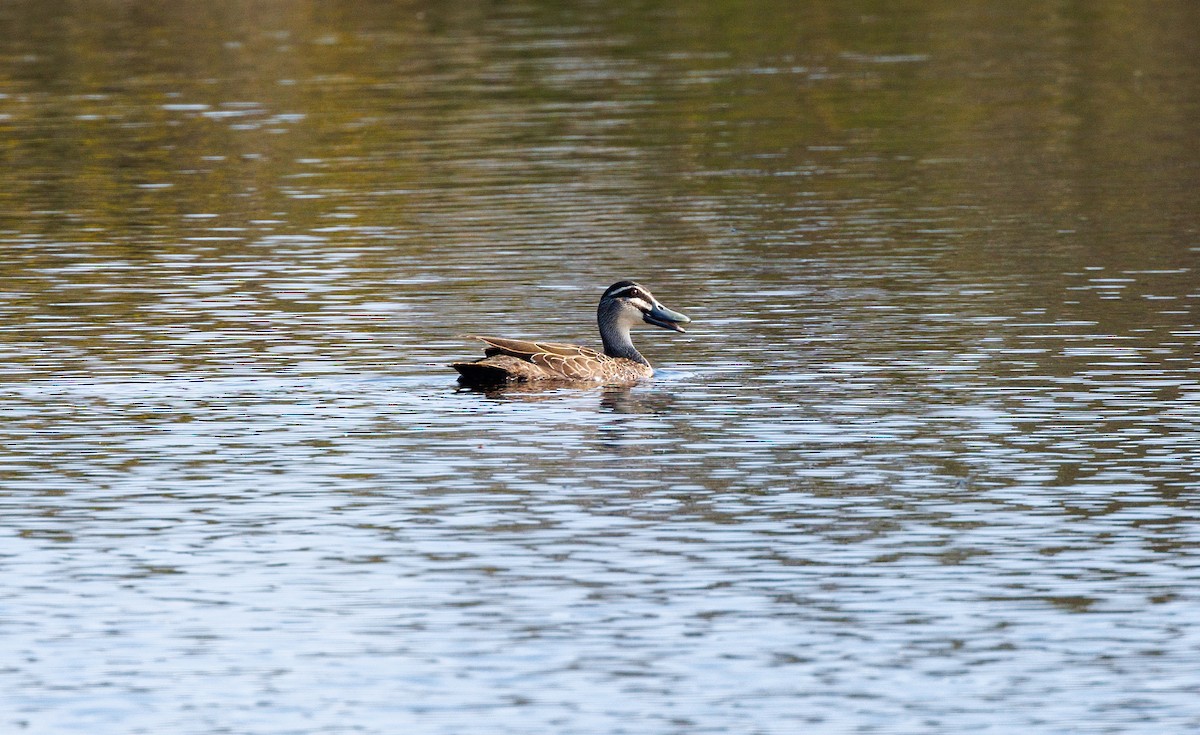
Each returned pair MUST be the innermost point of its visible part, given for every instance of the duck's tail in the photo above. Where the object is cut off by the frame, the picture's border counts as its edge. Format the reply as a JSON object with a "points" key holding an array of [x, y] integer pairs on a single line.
{"points": [[480, 373]]}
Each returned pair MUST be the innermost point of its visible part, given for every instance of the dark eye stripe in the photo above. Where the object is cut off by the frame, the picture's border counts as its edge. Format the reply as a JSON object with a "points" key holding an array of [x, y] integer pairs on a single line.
{"points": [[614, 291], [629, 291]]}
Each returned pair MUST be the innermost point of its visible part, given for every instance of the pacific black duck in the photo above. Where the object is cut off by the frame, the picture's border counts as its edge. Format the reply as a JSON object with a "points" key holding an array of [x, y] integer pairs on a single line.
{"points": [[623, 306]]}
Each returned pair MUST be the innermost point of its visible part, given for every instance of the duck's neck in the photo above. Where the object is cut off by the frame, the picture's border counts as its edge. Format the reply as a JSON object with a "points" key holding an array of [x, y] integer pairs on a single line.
{"points": [[615, 336]]}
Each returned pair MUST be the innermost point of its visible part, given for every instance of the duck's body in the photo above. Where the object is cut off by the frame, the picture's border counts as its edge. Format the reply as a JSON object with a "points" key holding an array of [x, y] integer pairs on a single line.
{"points": [[623, 305], [521, 360]]}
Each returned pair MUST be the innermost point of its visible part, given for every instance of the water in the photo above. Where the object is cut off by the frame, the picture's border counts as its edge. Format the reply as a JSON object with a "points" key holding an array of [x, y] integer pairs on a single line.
{"points": [[925, 461]]}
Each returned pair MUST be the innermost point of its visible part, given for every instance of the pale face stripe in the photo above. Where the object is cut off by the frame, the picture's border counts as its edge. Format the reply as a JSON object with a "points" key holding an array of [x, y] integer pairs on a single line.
{"points": [[621, 290], [641, 303], [639, 297]]}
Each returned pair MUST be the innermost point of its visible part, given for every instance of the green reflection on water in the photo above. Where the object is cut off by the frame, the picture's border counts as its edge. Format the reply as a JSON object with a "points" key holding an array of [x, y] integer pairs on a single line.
{"points": [[427, 142]]}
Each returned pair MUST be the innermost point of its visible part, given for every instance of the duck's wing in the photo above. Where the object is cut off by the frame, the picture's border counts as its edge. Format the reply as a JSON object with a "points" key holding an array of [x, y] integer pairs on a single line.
{"points": [[569, 361], [583, 364], [526, 349]]}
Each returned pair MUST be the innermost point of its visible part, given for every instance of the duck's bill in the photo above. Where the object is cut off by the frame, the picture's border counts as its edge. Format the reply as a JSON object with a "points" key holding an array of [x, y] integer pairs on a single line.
{"points": [[661, 316]]}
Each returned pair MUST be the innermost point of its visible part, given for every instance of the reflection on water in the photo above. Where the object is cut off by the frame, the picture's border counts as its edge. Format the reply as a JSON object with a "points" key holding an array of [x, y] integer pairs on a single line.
{"points": [[926, 463]]}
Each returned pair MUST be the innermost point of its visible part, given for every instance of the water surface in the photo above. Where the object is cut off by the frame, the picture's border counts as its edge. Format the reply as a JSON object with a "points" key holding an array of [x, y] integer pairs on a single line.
{"points": [[925, 461]]}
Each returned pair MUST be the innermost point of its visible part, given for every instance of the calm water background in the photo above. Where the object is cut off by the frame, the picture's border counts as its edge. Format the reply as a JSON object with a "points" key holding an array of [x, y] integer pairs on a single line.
{"points": [[926, 462]]}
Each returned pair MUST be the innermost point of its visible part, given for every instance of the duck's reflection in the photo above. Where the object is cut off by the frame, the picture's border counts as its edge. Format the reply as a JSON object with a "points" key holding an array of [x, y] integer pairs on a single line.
{"points": [[624, 399]]}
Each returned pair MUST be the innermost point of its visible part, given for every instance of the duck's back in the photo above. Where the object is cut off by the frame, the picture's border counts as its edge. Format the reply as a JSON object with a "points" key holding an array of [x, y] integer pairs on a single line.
{"points": [[519, 360]]}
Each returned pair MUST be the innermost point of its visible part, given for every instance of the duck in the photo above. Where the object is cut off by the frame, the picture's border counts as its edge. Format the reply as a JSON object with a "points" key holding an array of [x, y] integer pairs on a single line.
{"points": [[624, 305]]}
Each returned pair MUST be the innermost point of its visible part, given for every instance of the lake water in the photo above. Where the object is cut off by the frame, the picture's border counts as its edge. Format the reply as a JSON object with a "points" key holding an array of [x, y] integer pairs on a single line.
{"points": [[926, 461]]}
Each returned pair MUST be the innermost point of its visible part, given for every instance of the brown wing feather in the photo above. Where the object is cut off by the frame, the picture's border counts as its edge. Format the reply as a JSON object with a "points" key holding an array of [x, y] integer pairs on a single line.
{"points": [[500, 346], [526, 349], [570, 361], [527, 360], [575, 367]]}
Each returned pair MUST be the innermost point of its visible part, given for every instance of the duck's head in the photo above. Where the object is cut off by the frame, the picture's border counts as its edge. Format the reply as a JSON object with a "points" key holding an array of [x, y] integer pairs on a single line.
{"points": [[628, 303]]}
